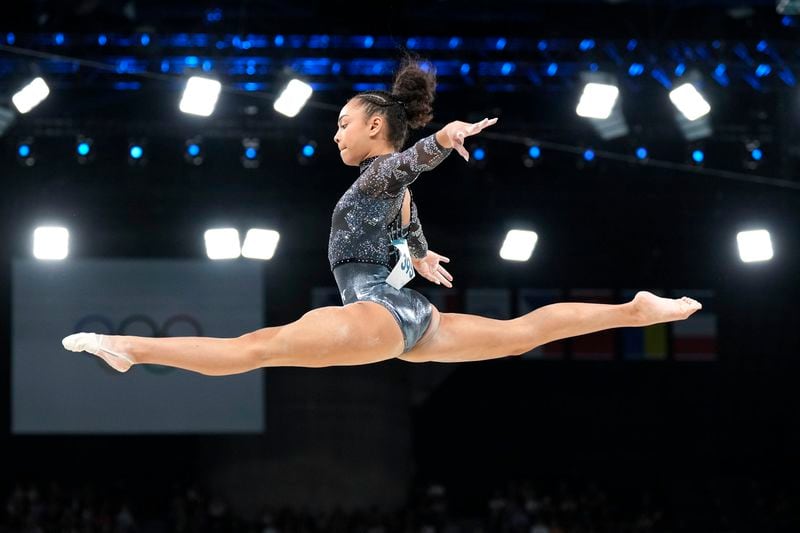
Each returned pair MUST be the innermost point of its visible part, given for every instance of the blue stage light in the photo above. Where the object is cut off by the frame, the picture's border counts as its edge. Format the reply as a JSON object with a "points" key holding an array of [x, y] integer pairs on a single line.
{"points": [[59, 39], [479, 154], [680, 68], [500, 44], [279, 40], [632, 44], [636, 69], [586, 44], [250, 152], [594, 67], [454, 42], [144, 39], [507, 69], [368, 41], [24, 150], [136, 152], [763, 70], [464, 69], [193, 150], [698, 156], [102, 40], [552, 69], [11, 38], [83, 149], [542, 46], [757, 154], [641, 152], [761, 46], [588, 155], [535, 152], [308, 150]]}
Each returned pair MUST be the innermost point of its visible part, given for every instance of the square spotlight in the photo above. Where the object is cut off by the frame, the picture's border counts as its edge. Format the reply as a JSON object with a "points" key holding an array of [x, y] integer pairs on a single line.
{"points": [[222, 243], [31, 95], [293, 98], [754, 245], [597, 100], [518, 245], [50, 242], [689, 101], [260, 243], [200, 96]]}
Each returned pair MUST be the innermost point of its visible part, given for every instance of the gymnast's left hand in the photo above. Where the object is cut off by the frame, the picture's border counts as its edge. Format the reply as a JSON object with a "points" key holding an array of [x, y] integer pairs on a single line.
{"points": [[429, 267]]}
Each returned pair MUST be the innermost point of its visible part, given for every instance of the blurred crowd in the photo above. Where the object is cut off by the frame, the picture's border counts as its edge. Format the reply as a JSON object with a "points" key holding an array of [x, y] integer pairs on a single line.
{"points": [[516, 507]]}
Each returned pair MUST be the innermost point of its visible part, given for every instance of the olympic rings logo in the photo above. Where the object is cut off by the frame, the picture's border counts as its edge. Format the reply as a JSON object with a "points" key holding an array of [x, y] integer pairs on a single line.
{"points": [[88, 323]]}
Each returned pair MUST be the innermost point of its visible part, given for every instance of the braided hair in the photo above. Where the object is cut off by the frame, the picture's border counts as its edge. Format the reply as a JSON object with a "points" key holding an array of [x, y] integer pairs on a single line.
{"points": [[409, 105]]}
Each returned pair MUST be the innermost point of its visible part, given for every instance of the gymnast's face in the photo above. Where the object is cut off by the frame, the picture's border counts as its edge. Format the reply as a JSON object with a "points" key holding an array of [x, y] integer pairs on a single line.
{"points": [[358, 137]]}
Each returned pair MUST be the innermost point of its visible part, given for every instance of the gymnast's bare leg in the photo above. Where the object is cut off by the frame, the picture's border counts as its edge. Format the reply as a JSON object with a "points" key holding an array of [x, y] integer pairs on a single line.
{"points": [[365, 332]]}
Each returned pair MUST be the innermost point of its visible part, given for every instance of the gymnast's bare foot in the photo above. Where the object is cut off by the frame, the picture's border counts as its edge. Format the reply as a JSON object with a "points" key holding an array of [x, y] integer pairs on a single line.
{"points": [[107, 347], [651, 309]]}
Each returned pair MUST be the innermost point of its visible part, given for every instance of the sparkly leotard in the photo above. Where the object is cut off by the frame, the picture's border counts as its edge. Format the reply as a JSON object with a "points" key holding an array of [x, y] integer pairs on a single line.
{"points": [[366, 219]]}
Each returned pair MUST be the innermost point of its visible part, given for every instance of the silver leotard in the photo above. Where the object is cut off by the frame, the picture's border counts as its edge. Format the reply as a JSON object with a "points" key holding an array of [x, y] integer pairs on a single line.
{"points": [[364, 222]]}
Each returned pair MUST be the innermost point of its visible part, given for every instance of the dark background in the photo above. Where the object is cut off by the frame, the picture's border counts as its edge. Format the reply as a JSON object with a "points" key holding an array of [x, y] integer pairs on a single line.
{"points": [[688, 432]]}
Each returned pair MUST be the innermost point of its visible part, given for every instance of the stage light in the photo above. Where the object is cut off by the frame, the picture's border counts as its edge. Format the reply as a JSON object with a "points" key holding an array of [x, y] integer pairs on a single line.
{"points": [[83, 149], [641, 153], [464, 69], [293, 98], [688, 100], [50, 242], [756, 154], [102, 40], [763, 70], [478, 154], [691, 109], [144, 39], [222, 243], [260, 244], [136, 153], [518, 245], [500, 43], [600, 105], [552, 69], [25, 154], [754, 245], [698, 156], [532, 156], [586, 45], [193, 151], [251, 153], [31, 95], [200, 96], [588, 155], [636, 69], [597, 100], [308, 152]]}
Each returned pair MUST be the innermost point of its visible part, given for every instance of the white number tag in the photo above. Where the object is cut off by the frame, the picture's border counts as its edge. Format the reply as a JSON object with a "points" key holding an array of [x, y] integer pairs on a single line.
{"points": [[403, 271]]}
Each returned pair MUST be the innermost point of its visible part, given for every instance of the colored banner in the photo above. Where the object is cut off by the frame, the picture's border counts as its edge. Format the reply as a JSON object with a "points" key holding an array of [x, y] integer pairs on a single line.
{"points": [[598, 346], [648, 343], [695, 339]]}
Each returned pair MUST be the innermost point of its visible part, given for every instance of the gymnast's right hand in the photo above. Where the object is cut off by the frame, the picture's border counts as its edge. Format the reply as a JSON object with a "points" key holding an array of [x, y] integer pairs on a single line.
{"points": [[453, 134]]}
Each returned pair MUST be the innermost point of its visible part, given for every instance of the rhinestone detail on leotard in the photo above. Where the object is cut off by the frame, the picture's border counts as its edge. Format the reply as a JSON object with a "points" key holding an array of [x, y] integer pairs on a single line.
{"points": [[367, 215]]}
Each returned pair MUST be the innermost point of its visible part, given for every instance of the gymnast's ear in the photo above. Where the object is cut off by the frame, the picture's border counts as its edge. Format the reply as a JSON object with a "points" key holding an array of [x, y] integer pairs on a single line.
{"points": [[376, 124]]}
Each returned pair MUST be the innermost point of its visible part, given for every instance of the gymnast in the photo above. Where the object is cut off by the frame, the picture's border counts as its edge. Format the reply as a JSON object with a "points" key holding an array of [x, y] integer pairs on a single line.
{"points": [[376, 245]]}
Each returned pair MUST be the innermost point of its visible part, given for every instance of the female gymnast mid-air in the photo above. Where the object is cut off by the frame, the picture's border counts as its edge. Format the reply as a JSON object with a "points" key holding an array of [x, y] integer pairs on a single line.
{"points": [[376, 244]]}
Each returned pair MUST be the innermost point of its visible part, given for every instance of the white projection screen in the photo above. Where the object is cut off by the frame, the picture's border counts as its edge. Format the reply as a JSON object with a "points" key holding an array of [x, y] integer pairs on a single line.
{"points": [[55, 391]]}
